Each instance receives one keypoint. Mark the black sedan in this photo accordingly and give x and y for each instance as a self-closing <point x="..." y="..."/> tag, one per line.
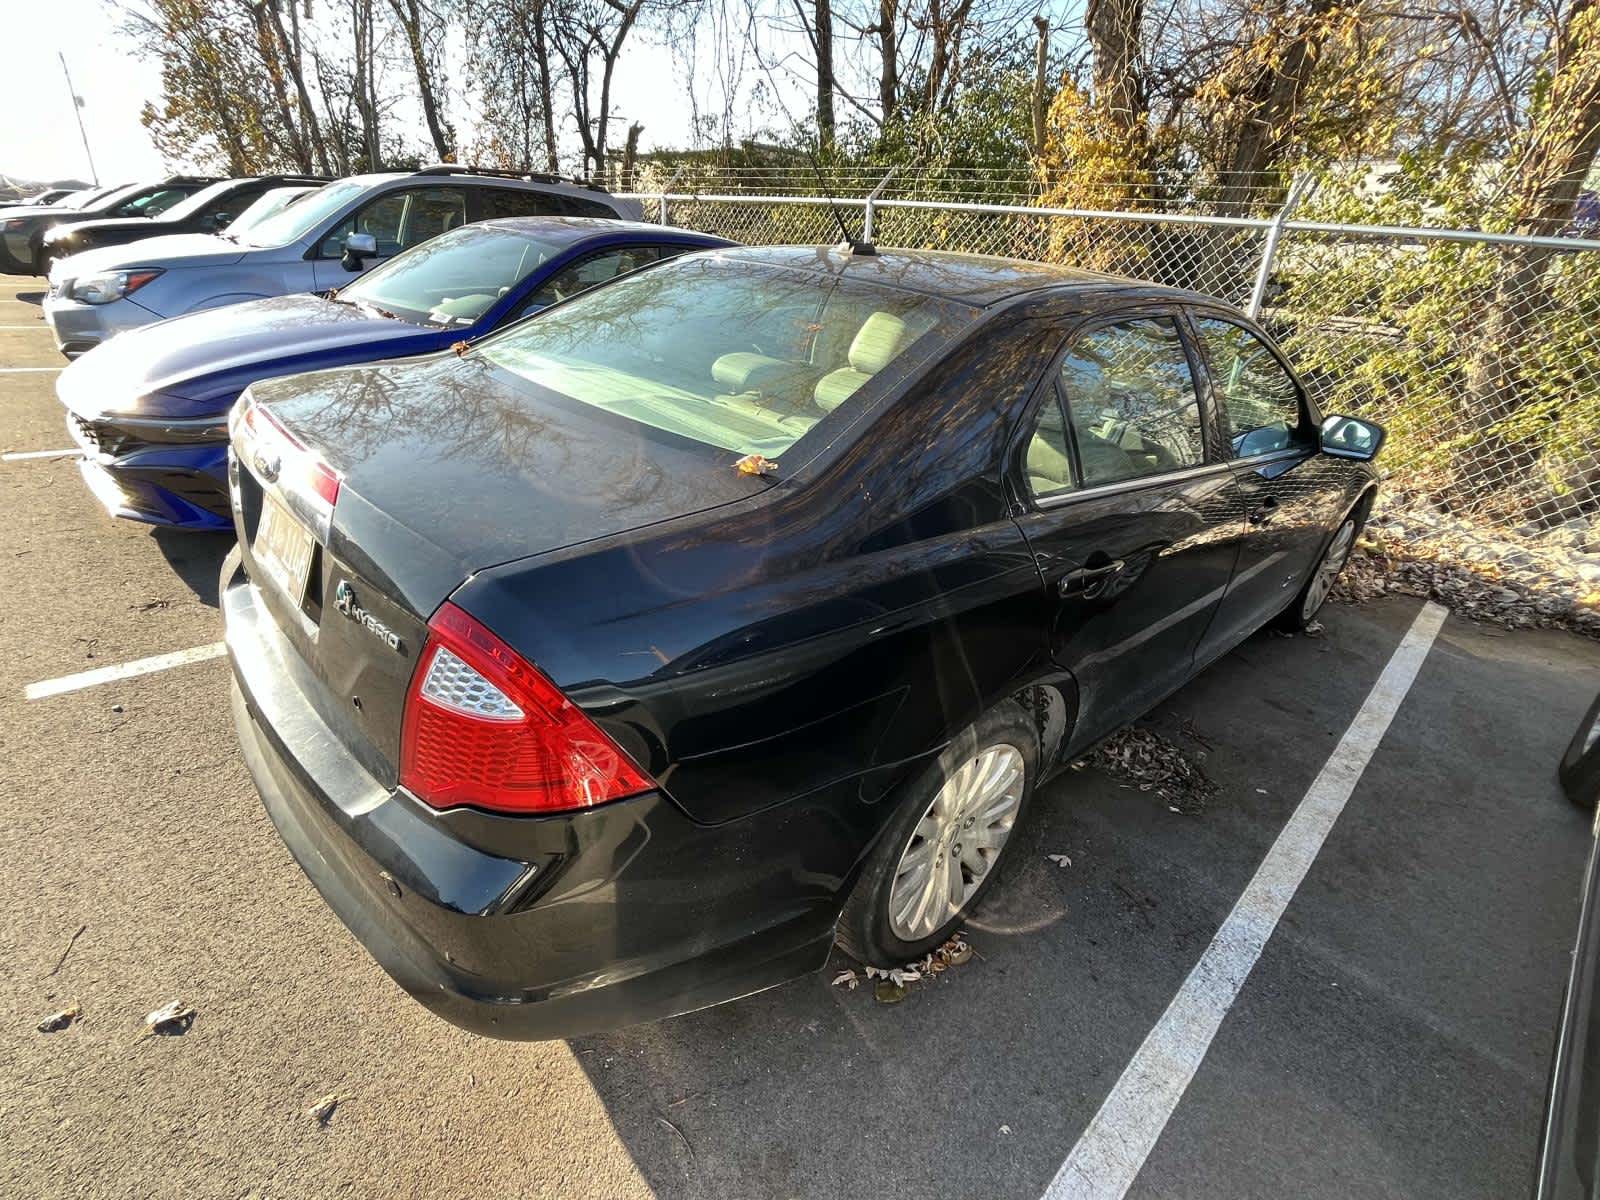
<point x="622" y="663"/>
<point x="209" y="210"/>
<point x="22" y="229"/>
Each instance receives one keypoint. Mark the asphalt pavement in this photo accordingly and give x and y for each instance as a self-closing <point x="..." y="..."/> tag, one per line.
<point x="1392" y="1040"/>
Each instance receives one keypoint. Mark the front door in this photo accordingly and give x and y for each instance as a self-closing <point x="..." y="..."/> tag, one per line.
<point x="1132" y="514"/>
<point x="397" y="220"/>
<point x="1288" y="487"/>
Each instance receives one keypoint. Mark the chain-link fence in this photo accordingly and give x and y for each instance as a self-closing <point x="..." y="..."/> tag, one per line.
<point x="1478" y="351"/>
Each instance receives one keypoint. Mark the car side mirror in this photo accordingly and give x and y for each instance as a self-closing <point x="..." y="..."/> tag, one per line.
<point x="1351" y="437"/>
<point x="221" y="220"/>
<point x="356" y="247"/>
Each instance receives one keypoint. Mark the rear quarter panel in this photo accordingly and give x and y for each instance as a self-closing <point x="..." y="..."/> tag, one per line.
<point x="823" y="638"/>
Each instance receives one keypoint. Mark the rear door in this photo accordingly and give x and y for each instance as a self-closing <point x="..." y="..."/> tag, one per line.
<point x="1289" y="491"/>
<point x="1131" y="511"/>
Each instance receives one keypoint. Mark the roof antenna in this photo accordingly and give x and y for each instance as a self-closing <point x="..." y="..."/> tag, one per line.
<point x="856" y="246"/>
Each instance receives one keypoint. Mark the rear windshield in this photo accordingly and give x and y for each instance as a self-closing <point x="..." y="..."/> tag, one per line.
<point x="740" y="356"/>
<point x="454" y="278"/>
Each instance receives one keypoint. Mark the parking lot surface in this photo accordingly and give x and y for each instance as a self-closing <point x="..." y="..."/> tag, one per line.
<point x="1392" y="1040"/>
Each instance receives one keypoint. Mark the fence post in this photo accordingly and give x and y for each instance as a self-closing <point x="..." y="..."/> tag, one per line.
<point x="1274" y="231"/>
<point x="866" y="224"/>
<point x="661" y="213"/>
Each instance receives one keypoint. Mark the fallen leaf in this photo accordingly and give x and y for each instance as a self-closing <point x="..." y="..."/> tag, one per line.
<point x="846" y="979"/>
<point x="1005" y="1129"/>
<point x="755" y="464"/>
<point x="322" y="1110"/>
<point x="60" y="1020"/>
<point x="1060" y="860"/>
<point x="460" y="347"/>
<point x="171" y="1019"/>
<point x="904" y="975"/>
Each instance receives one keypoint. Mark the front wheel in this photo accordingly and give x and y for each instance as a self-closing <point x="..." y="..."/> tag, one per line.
<point x="1323" y="576"/>
<point x="945" y="842"/>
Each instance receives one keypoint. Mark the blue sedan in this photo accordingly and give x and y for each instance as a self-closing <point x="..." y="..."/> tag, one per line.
<point x="149" y="408"/>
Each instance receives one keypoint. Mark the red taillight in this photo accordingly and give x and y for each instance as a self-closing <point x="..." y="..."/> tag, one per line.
<point x="484" y="727"/>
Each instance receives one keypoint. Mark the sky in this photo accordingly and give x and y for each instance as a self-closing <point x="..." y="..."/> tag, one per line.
<point x="115" y="83"/>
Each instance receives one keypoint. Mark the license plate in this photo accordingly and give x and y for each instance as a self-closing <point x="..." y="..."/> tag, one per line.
<point x="283" y="549"/>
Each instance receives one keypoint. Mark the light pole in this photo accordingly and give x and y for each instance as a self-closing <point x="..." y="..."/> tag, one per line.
<point x="77" y="111"/>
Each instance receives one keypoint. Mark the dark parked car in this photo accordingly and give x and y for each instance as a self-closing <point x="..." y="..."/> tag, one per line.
<point x="619" y="665"/>
<point x="1569" y="1155"/>
<point x="149" y="408"/>
<point x="210" y="210"/>
<point x="51" y="196"/>
<point x="22" y="229"/>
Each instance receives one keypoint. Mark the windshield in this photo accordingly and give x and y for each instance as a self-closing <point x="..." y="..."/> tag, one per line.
<point x="736" y="355"/>
<point x="265" y="206"/>
<point x="195" y="201"/>
<point x="85" y="198"/>
<point x="294" y="222"/>
<point x="454" y="278"/>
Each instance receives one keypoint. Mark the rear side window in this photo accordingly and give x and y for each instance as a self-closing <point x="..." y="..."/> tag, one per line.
<point x="1260" y="396"/>
<point x="1131" y="401"/>
<point x="525" y="202"/>
<point x="597" y="268"/>
<point x="1049" y="457"/>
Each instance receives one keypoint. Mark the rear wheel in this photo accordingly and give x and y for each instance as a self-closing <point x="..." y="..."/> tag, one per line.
<point x="1319" y="586"/>
<point x="945" y="843"/>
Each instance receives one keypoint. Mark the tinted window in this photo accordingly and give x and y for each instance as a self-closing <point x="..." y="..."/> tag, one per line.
<point x="151" y="203"/>
<point x="1262" y="400"/>
<point x="585" y="273"/>
<point x="738" y="357"/>
<point x="1132" y="401"/>
<point x="1049" y="460"/>
<point x="400" y="220"/>
<point x="503" y="202"/>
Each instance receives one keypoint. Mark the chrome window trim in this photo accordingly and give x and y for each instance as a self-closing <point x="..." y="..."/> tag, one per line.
<point x="1138" y="482"/>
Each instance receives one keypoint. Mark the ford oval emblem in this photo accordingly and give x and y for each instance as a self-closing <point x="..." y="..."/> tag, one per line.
<point x="268" y="465"/>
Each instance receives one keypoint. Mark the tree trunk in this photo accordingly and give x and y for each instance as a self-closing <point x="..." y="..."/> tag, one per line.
<point x="888" y="39"/>
<point x="294" y="63"/>
<point x="630" y="152"/>
<point x="823" y="28"/>
<point x="1117" y="81"/>
<point x="1041" y="101"/>
<point x="541" y="58"/>
<point x="409" y="14"/>
<point x="1554" y="156"/>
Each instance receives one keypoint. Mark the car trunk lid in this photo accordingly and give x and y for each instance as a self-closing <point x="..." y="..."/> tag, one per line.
<point x="443" y="467"/>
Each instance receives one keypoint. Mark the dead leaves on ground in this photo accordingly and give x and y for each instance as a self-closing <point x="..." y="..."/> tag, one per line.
<point x="57" y="1021"/>
<point x="891" y="984"/>
<point x="322" y="1111"/>
<point x="1142" y="758"/>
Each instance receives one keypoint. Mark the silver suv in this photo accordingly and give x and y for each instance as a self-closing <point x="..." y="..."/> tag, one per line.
<point x="323" y="241"/>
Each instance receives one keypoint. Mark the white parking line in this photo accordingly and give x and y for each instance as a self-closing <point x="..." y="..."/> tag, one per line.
<point x="1109" y="1155"/>
<point x="35" y="325"/>
<point x="27" y="370"/>
<point x="139" y="666"/>
<point x="20" y="455"/>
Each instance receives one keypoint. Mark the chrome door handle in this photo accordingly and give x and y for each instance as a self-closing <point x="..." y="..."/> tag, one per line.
<point x="1089" y="581"/>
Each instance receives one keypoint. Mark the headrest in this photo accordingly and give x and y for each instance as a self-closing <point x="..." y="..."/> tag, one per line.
<point x="880" y="338"/>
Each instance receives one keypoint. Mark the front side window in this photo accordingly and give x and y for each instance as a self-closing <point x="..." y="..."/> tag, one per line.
<point x="1132" y="402"/>
<point x="293" y="223"/>
<point x="400" y="220"/>
<point x="737" y="356"/>
<point x="152" y="203"/>
<point x="453" y="279"/>
<point x="1262" y="400"/>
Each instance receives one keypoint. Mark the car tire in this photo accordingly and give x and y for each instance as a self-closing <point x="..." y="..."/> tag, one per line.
<point x="898" y="912"/>
<point x="1580" y="765"/>
<point x="1319" y="583"/>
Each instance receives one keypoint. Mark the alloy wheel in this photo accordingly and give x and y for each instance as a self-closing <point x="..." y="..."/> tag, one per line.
<point x="957" y="842"/>
<point x="1328" y="570"/>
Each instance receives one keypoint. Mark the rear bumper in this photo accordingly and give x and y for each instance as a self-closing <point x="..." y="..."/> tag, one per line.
<point x="525" y="928"/>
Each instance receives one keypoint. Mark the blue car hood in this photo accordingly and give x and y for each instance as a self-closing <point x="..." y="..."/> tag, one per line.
<point x="189" y="365"/>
